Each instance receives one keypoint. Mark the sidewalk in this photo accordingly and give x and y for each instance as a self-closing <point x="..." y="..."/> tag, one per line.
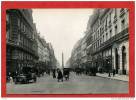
<point x="116" y="77"/>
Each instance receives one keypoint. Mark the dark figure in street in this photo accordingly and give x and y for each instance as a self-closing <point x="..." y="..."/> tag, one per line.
<point x="78" y="71"/>
<point x="54" y="73"/>
<point x="114" y="72"/>
<point x="66" y="74"/>
<point x="60" y="75"/>
<point x="109" y="73"/>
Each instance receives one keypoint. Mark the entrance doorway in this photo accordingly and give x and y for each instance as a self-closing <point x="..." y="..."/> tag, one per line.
<point x="116" y="60"/>
<point x="123" y="60"/>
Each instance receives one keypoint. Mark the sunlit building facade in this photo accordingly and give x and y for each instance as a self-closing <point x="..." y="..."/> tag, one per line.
<point x="109" y="40"/>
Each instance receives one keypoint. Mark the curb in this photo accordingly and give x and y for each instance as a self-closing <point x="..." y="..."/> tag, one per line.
<point x="113" y="79"/>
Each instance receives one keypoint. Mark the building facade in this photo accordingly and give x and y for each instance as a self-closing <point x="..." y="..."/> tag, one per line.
<point x="43" y="53"/>
<point x="21" y="46"/>
<point x="76" y="55"/>
<point x="109" y="40"/>
<point x="83" y="61"/>
<point x="53" y="61"/>
<point x="105" y="44"/>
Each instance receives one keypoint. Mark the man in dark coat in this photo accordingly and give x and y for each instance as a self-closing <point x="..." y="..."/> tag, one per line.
<point x="114" y="72"/>
<point x="60" y="75"/>
<point x="54" y="73"/>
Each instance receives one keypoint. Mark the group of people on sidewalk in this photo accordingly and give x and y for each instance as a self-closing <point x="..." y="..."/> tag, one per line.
<point x="60" y="75"/>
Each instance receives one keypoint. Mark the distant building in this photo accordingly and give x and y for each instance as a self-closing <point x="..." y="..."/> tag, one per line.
<point x="76" y="55"/>
<point x="43" y="53"/>
<point x="53" y="61"/>
<point x="83" y="61"/>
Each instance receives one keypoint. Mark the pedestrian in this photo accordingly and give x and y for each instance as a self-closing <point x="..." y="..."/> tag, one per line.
<point x="113" y="72"/>
<point x="54" y="73"/>
<point x="60" y="75"/>
<point x="109" y="74"/>
<point x="11" y="80"/>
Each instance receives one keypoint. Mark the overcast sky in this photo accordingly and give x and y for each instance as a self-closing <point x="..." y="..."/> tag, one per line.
<point x="62" y="27"/>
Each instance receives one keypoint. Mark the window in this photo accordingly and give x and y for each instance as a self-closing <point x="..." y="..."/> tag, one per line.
<point x="122" y="24"/>
<point x="100" y="41"/>
<point x="116" y="29"/>
<point x="18" y="22"/>
<point x="110" y="33"/>
<point x="115" y="14"/>
<point x="24" y="28"/>
<point x="103" y="38"/>
<point x="7" y="35"/>
<point x="106" y="22"/>
<point x="21" y="25"/>
<point x="15" y="54"/>
<point x="7" y="17"/>
<point x="106" y="36"/>
<point x="110" y="18"/>
<point x="122" y="9"/>
<point x="98" y="33"/>
<point x="97" y="43"/>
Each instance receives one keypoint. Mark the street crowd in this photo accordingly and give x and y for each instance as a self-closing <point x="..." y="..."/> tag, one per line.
<point x="59" y="74"/>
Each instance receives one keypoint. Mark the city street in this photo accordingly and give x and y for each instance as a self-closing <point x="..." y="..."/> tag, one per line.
<point x="76" y="85"/>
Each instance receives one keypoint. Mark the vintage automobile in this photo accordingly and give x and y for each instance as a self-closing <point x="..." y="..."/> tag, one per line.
<point x="27" y="76"/>
<point x="20" y="79"/>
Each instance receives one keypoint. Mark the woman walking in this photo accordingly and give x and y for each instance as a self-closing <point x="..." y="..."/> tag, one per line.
<point x="60" y="75"/>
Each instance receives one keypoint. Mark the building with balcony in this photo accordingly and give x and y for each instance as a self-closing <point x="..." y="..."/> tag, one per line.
<point x="76" y="55"/>
<point x="21" y="46"/>
<point x="109" y="46"/>
<point x="43" y="53"/>
<point x="53" y="64"/>
<point x="83" y="52"/>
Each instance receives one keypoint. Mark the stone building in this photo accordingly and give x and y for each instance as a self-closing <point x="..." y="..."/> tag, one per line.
<point x="83" y="58"/>
<point x="53" y="61"/>
<point x="76" y="55"/>
<point x="43" y="53"/>
<point x="105" y="45"/>
<point x="109" y="39"/>
<point x="21" y="46"/>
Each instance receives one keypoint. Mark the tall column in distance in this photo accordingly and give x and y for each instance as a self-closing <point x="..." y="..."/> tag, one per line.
<point x="62" y="61"/>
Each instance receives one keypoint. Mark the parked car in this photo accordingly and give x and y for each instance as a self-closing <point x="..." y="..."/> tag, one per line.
<point x="25" y="78"/>
<point x="20" y="79"/>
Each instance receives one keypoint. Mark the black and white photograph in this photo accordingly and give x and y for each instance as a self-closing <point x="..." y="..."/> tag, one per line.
<point x="67" y="51"/>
